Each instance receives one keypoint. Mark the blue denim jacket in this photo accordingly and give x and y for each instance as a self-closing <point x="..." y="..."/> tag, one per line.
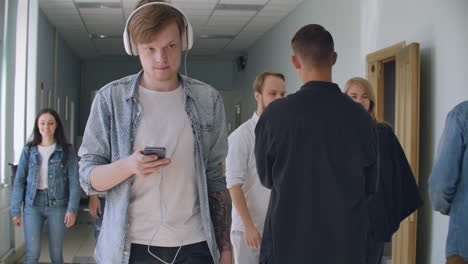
<point x="448" y="183"/>
<point x="109" y="136"/>
<point x="63" y="183"/>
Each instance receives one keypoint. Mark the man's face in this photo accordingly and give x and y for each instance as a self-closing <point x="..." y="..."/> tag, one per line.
<point x="160" y="58"/>
<point x="273" y="89"/>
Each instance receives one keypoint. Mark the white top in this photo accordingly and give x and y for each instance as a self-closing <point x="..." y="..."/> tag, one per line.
<point x="165" y="205"/>
<point x="45" y="153"/>
<point x="241" y="169"/>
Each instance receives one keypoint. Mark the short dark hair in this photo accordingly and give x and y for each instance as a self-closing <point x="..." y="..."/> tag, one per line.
<point x="314" y="44"/>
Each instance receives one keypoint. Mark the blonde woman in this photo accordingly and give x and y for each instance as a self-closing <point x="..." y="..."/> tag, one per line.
<point x="397" y="194"/>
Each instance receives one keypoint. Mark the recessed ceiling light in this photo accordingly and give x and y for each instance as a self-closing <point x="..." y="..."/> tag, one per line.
<point x="103" y="36"/>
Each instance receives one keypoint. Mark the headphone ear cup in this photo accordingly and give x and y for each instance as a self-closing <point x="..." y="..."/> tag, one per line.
<point x="188" y="35"/>
<point x="127" y="44"/>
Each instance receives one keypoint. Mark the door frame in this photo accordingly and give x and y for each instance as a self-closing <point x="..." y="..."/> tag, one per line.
<point x="407" y="112"/>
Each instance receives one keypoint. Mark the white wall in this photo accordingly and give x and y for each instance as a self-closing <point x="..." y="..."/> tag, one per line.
<point x="362" y="26"/>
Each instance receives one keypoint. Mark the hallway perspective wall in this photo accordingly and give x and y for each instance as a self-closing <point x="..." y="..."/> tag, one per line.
<point x="58" y="68"/>
<point x="363" y="26"/>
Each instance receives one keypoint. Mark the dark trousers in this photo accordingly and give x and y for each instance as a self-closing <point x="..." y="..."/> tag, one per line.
<point x="198" y="253"/>
<point x="98" y="222"/>
<point x="375" y="250"/>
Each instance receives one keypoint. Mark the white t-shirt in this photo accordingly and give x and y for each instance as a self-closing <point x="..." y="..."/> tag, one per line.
<point x="165" y="205"/>
<point x="45" y="153"/>
<point x="241" y="169"/>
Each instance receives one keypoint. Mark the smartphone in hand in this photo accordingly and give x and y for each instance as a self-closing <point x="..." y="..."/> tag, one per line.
<point x="158" y="151"/>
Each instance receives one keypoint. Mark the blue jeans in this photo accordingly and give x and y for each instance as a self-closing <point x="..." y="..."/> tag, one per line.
<point x="98" y="222"/>
<point x="34" y="218"/>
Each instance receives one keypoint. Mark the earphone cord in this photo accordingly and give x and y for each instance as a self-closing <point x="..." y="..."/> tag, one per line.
<point x="163" y="206"/>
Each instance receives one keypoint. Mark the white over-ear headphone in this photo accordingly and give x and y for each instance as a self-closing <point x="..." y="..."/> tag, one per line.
<point x="187" y="36"/>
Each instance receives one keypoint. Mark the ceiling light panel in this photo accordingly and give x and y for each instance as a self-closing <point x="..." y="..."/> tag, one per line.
<point x="97" y="2"/>
<point x="244" y="2"/>
<point x="227" y="23"/>
<point x="234" y="13"/>
<point x="182" y="2"/>
<point x="197" y="5"/>
<point x="285" y="1"/>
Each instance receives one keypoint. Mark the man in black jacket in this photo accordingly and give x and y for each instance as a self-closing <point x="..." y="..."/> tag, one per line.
<point x="316" y="151"/>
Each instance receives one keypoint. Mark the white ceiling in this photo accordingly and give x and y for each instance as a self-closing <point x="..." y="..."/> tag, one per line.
<point x="246" y="26"/>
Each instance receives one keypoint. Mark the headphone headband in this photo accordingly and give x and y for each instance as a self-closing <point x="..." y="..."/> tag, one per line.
<point x="130" y="46"/>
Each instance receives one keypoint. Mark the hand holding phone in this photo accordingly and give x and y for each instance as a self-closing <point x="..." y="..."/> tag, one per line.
<point x="142" y="162"/>
<point x="158" y="151"/>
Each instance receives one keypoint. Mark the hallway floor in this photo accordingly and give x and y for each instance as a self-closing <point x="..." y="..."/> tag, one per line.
<point x="78" y="245"/>
<point x="79" y="242"/>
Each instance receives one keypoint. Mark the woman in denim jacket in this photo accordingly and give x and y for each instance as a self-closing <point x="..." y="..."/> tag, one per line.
<point x="47" y="184"/>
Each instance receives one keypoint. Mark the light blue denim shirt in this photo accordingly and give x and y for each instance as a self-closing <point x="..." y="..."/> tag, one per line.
<point x="109" y="136"/>
<point x="63" y="184"/>
<point x="448" y="183"/>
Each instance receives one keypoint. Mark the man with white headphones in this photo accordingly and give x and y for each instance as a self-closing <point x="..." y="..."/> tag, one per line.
<point x="170" y="205"/>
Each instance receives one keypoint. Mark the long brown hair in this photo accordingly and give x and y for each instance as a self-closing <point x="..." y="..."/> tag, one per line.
<point x="59" y="134"/>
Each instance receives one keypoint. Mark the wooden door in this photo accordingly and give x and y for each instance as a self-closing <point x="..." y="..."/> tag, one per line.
<point x="406" y="125"/>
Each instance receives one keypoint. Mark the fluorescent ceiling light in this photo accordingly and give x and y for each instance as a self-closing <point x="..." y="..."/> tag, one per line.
<point x="98" y="5"/>
<point x="102" y="36"/>
<point x="212" y="36"/>
<point x="239" y="7"/>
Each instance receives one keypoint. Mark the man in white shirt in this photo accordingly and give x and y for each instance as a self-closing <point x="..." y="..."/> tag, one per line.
<point x="249" y="197"/>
